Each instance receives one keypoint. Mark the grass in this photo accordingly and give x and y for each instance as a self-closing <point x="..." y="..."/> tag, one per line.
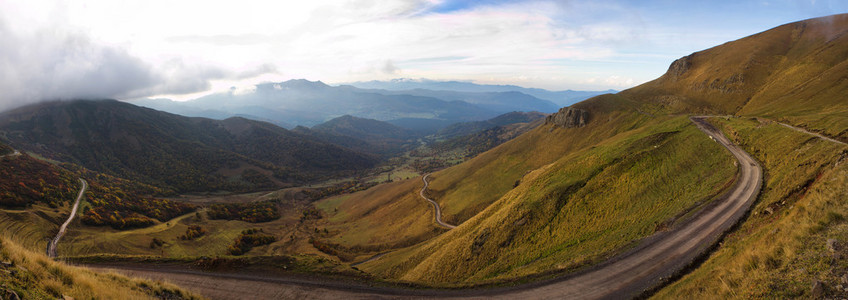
<point x="781" y="248"/>
<point x="793" y="73"/>
<point x="33" y="227"/>
<point x="87" y="240"/>
<point x="386" y="216"/>
<point x="467" y="189"/>
<point x="578" y="210"/>
<point x="34" y="276"/>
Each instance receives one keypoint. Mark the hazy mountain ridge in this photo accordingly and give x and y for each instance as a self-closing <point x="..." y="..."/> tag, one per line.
<point x="308" y="103"/>
<point x="496" y="101"/>
<point x="560" y="98"/>
<point x="461" y="129"/>
<point x="362" y="134"/>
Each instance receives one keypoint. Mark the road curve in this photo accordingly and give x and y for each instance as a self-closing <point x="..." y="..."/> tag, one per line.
<point x="624" y="276"/>
<point x="435" y="205"/>
<point x="51" y="247"/>
<point x="664" y="254"/>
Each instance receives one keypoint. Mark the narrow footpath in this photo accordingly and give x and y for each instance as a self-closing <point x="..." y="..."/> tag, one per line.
<point x="51" y="247"/>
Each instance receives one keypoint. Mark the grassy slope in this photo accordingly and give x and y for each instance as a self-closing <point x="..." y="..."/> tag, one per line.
<point x="32" y="227"/>
<point x="578" y="210"/>
<point x="467" y="189"/>
<point x="779" y="254"/>
<point x="88" y="240"/>
<point x="795" y="72"/>
<point x="394" y="215"/>
<point x="34" y="276"/>
<point x="385" y="216"/>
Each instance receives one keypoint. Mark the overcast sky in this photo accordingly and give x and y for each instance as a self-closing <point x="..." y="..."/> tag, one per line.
<point x="183" y="49"/>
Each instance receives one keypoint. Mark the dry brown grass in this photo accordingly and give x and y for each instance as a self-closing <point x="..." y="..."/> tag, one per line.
<point x="35" y="276"/>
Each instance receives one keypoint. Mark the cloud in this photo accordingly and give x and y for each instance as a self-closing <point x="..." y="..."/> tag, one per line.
<point x="49" y="65"/>
<point x="390" y="68"/>
<point x="52" y="64"/>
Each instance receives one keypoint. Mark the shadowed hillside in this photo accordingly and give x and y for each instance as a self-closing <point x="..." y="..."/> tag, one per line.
<point x="185" y="154"/>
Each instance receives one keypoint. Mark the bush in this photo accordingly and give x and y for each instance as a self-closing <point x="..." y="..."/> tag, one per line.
<point x="248" y="239"/>
<point x="192" y="232"/>
<point x="253" y="212"/>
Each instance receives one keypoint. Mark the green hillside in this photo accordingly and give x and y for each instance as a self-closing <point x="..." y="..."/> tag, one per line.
<point x="576" y="211"/>
<point x="794" y="72"/>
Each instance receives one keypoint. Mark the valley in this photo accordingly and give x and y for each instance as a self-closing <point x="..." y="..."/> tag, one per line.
<point x="724" y="178"/>
<point x="626" y="275"/>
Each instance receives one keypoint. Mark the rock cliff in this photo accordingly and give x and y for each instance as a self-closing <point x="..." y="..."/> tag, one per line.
<point x="569" y="117"/>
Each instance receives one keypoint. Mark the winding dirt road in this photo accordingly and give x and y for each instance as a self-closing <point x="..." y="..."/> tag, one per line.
<point x="51" y="248"/>
<point x="435" y="205"/>
<point x="625" y="276"/>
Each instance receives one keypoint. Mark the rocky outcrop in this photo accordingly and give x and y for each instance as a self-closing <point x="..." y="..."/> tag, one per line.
<point x="680" y="66"/>
<point x="568" y="117"/>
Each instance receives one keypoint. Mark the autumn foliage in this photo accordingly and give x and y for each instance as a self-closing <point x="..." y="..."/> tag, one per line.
<point x="253" y="212"/>
<point x="338" y="189"/>
<point x="192" y="232"/>
<point x="111" y="206"/>
<point x="248" y="239"/>
<point x="26" y="181"/>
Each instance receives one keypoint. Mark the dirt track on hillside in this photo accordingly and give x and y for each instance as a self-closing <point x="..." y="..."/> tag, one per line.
<point x="625" y="276"/>
<point x="438" y="213"/>
<point x="54" y="243"/>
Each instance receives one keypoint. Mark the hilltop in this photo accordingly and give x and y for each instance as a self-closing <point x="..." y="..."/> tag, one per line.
<point x="375" y="136"/>
<point x="794" y="73"/>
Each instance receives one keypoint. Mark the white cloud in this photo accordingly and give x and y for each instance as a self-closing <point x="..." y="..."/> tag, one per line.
<point x="182" y="48"/>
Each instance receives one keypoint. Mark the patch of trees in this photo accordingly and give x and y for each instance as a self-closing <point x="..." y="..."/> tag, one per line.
<point x="338" y="189"/>
<point x="111" y="206"/>
<point x="114" y="202"/>
<point x="310" y="213"/>
<point x="253" y="212"/>
<point x="248" y="239"/>
<point x="26" y="181"/>
<point x="330" y="249"/>
<point x="429" y="165"/>
<point x="193" y="232"/>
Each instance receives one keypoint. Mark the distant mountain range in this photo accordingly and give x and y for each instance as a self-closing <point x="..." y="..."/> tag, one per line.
<point x="560" y="98"/>
<point x="308" y="103"/>
<point x="462" y="129"/>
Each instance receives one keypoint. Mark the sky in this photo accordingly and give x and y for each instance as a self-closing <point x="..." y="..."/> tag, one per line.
<point x="185" y="49"/>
